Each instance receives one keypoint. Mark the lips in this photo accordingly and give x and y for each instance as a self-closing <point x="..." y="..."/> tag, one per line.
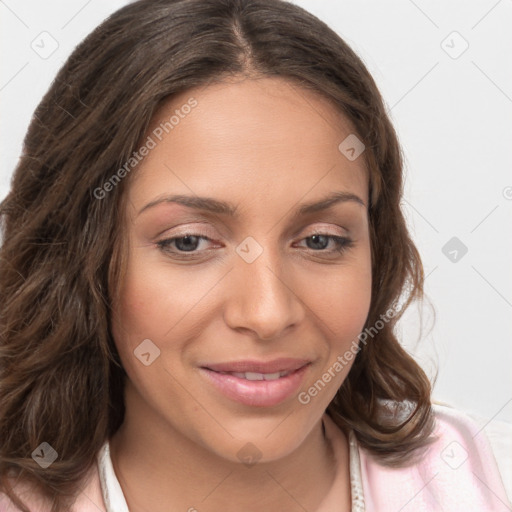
<point x="257" y="383"/>
<point x="277" y="365"/>
<point x="258" y="376"/>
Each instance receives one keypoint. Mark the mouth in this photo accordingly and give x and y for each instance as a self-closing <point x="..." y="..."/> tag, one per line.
<point x="257" y="383"/>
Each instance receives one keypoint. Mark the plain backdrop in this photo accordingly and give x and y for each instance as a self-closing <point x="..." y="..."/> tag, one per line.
<point x="443" y="68"/>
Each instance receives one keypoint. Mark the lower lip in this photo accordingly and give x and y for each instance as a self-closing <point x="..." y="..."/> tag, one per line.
<point x="257" y="393"/>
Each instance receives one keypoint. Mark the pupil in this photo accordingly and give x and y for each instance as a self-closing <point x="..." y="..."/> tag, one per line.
<point x="187" y="239"/>
<point x="319" y="238"/>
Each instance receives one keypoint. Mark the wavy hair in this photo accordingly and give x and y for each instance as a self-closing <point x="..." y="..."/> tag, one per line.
<point x="62" y="257"/>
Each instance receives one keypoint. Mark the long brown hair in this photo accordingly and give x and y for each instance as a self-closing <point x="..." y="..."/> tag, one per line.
<point x="61" y="259"/>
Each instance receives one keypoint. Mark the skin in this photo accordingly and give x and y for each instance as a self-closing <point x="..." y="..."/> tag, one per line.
<point x="266" y="146"/>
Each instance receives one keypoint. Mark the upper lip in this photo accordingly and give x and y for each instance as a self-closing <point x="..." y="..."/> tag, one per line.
<point x="274" y="366"/>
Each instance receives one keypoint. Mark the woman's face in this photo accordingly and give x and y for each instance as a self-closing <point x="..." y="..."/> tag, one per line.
<point x="233" y="317"/>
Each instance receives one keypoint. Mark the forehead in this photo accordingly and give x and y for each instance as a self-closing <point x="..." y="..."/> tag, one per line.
<point x="264" y="136"/>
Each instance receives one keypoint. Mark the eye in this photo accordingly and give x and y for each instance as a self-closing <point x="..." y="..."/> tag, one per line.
<point x="188" y="243"/>
<point x="318" y="242"/>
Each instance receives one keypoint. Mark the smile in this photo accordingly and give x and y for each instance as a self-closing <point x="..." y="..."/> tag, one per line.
<point x="257" y="376"/>
<point x="257" y="384"/>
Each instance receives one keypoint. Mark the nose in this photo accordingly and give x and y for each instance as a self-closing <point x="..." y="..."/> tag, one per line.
<point x="261" y="298"/>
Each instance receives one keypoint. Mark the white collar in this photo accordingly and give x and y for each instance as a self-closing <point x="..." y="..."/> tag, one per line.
<point x="115" y="501"/>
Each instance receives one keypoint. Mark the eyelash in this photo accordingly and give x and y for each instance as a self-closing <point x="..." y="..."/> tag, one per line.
<point x="342" y="244"/>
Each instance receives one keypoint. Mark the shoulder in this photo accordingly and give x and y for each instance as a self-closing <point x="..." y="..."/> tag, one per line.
<point x="499" y="436"/>
<point x="89" y="499"/>
<point x="457" y="472"/>
<point x="490" y="437"/>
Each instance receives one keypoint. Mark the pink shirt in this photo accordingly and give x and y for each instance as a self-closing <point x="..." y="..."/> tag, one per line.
<point x="457" y="474"/>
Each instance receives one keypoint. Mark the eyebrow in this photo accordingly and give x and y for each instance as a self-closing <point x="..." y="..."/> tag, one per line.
<point x="223" y="208"/>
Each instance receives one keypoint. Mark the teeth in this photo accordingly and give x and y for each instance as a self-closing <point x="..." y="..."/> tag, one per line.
<point x="258" y="376"/>
<point x="241" y="375"/>
<point x="253" y="376"/>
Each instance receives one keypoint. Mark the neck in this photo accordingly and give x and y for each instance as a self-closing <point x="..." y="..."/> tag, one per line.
<point x="160" y="469"/>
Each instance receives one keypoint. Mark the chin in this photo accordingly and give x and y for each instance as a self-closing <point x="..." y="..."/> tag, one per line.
<point x="265" y="438"/>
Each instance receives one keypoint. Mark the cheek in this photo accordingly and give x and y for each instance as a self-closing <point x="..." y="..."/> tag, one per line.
<point x="134" y="311"/>
<point x="343" y="304"/>
<point x="342" y="300"/>
<point x="159" y="303"/>
<point x="350" y="307"/>
<point x="153" y="300"/>
<point x="139" y="310"/>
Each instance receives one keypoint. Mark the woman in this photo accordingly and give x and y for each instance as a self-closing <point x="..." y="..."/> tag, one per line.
<point x="203" y="262"/>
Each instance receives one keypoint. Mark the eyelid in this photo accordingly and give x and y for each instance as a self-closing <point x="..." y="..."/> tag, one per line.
<point x="321" y="229"/>
<point x="206" y="229"/>
<point x="325" y="225"/>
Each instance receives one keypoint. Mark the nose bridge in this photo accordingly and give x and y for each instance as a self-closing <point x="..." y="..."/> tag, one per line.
<point x="262" y="298"/>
